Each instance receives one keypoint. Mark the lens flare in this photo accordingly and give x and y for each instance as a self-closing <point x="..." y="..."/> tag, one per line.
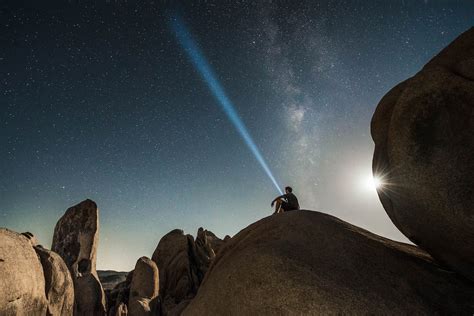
<point x="207" y="74"/>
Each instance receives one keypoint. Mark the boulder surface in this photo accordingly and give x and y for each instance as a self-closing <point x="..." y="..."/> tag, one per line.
<point x="424" y="154"/>
<point x="178" y="274"/>
<point x="22" y="283"/>
<point x="75" y="239"/>
<point x="183" y="262"/>
<point x="309" y="263"/>
<point x="144" y="288"/>
<point x="59" y="286"/>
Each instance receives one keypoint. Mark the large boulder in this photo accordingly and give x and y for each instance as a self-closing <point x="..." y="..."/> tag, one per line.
<point x="178" y="274"/>
<point x="22" y="283"/>
<point x="183" y="262"/>
<point x="309" y="263"/>
<point x="144" y="288"/>
<point x="75" y="239"/>
<point x="424" y="153"/>
<point x="59" y="286"/>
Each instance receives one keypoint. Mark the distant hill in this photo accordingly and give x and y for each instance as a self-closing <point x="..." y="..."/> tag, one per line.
<point x="110" y="278"/>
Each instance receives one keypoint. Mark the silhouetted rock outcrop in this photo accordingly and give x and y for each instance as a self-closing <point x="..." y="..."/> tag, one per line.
<point x="75" y="239"/>
<point x="424" y="150"/>
<point x="182" y="262"/>
<point x="303" y="262"/>
<point x="22" y="283"/>
<point x="59" y="286"/>
<point x="215" y="242"/>
<point x="144" y="288"/>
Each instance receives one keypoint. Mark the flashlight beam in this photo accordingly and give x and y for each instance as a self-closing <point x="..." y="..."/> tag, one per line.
<point x="207" y="74"/>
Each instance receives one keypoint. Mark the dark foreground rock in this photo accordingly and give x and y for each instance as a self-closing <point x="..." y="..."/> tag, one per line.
<point x="304" y="262"/>
<point x="182" y="263"/>
<point x="423" y="131"/>
<point x="75" y="239"/>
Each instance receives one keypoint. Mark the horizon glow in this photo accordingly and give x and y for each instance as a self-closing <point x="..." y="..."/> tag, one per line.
<point x="199" y="61"/>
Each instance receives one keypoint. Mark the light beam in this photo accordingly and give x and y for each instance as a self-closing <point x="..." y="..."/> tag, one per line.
<point x="206" y="72"/>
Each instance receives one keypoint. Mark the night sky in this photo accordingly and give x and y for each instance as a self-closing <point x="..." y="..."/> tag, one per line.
<point x="100" y="101"/>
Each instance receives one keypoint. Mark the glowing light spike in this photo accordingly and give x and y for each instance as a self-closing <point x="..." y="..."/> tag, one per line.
<point x="206" y="72"/>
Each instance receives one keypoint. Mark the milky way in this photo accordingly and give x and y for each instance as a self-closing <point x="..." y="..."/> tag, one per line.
<point x="99" y="101"/>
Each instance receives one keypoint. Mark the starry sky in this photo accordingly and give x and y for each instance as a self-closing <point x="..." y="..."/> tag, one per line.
<point x="100" y="101"/>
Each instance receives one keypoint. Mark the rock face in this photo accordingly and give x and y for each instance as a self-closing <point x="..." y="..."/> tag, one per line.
<point x="182" y="262"/>
<point x="75" y="240"/>
<point x="144" y="288"/>
<point x="309" y="263"/>
<point x="424" y="151"/>
<point x="59" y="286"/>
<point x="22" y="284"/>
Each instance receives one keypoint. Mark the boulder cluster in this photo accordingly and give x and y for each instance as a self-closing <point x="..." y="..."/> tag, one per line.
<point x="64" y="280"/>
<point x="174" y="274"/>
<point x="300" y="262"/>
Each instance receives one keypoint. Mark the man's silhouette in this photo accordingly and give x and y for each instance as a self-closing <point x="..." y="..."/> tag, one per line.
<point x="286" y="202"/>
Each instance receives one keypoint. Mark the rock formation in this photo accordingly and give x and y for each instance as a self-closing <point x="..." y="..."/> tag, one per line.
<point x="119" y="295"/>
<point x="144" y="288"/>
<point x="59" y="286"/>
<point x="75" y="239"/>
<point x="214" y="242"/>
<point x="178" y="275"/>
<point x="121" y="310"/>
<point x="309" y="263"/>
<point x="182" y="262"/>
<point x="424" y="152"/>
<point x="22" y="283"/>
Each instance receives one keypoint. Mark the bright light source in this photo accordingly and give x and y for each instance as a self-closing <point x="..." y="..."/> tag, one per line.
<point x="370" y="183"/>
<point x="376" y="182"/>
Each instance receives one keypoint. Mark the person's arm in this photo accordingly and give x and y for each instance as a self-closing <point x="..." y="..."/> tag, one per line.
<point x="278" y="197"/>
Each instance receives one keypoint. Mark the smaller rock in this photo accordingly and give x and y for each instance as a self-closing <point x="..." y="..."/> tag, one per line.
<point x="121" y="310"/>
<point x="59" y="286"/>
<point x="215" y="242"/>
<point x="144" y="288"/>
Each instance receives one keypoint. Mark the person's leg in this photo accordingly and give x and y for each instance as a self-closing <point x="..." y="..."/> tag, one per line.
<point x="277" y="206"/>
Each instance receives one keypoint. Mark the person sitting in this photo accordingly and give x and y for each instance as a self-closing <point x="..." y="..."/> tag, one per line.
<point x="286" y="202"/>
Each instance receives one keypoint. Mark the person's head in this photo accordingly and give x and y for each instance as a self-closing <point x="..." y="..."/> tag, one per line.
<point x="288" y="189"/>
